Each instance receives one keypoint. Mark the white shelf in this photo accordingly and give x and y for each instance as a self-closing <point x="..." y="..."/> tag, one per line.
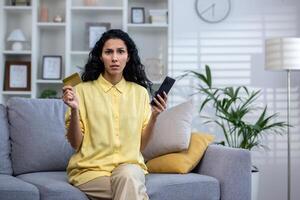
<point x="17" y="8"/>
<point x="157" y="25"/>
<point x="80" y="52"/>
<point x="42" y="81"/>
<point x="16" y="92"/>
<point x="51" y="24"/>
<point x="95" y="8"/>
<point x="23" y="52"/>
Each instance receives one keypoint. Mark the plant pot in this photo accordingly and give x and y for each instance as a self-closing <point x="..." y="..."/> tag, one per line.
<point x="254" y="183"/>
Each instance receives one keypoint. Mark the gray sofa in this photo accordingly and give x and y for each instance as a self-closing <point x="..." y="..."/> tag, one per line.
<point x="34" y="154"/>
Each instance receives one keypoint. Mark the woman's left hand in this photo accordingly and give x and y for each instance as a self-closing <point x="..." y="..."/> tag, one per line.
<point x="160" y="104"/>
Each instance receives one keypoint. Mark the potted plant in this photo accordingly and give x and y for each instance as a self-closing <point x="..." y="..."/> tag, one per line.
<point x="232" y="106"/>
<point x="49" y="94"/>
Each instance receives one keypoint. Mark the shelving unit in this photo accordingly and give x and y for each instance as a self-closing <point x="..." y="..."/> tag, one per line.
<point x="155" y="36"/>
<point x="51" y="40"/>
<point x="80" y="16"/>
<point x="69" y="38"/>
<point x="11" y="18"/>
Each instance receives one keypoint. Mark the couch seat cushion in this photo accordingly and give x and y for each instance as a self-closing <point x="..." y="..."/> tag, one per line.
<point x="12" y="188"/>
<point x="182" y="187"/>
<point x="53" y="185"/>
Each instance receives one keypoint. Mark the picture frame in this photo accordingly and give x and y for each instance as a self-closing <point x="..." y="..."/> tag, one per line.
<point x="95" y="31"/>
<point x="137" y="15"/>
<point x="52" y="67"/>
<point x="17" y="76"/>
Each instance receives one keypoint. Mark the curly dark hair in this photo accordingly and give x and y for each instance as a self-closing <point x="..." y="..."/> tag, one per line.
<point x="134" y="70"/>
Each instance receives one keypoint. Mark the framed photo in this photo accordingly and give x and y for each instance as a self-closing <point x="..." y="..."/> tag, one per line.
<point x="137" y="15"/>
<point x="95" y="31"/>
<point x="52" y="67"/>
<point x="17" y="76"/>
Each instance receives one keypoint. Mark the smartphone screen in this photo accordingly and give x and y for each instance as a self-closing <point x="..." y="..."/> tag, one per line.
<point x="164" y="87"/>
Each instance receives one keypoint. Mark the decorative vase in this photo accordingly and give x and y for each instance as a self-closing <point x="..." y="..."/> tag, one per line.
<point x="44" y="17"/>
<point x="58" y="19"/>
<point x="89" y="2"/>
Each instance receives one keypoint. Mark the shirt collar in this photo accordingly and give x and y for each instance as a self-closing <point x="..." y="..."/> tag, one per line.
<point x="106" y="85"/>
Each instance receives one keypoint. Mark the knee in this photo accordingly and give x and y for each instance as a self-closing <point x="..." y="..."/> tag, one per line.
<point x="128" y="172"/>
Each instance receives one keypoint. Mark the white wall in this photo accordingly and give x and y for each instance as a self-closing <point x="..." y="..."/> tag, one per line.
<point x="234" y="49"/>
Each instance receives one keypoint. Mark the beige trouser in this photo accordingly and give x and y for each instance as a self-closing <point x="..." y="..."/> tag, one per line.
<point x="127" y="182"/>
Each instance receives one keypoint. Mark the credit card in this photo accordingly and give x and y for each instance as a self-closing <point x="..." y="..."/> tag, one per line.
<point x="72" y="80"/>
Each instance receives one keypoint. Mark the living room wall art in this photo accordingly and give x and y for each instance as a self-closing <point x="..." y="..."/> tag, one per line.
<point x="17" y="76"/>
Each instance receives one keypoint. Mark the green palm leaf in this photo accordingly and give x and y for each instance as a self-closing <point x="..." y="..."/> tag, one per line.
<point x="232" y="105"/>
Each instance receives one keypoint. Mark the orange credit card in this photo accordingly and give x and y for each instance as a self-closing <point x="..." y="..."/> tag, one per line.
<point x="72" y="80"/>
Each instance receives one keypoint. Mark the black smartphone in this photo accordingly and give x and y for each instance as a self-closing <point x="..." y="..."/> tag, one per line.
<point x="164" y="87"/>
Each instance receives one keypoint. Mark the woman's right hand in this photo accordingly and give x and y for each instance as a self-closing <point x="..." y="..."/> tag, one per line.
<point x="69" y="97"/>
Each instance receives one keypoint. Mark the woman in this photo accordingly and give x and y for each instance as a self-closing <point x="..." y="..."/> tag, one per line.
<point x="109" y="121"/>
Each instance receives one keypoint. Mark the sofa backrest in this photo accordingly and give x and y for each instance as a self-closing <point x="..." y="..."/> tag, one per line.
<point x="37" y="132"/>
<point x="5" y="162"/>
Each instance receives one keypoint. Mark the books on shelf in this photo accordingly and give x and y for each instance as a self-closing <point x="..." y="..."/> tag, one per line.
<point x="158" y="16"/>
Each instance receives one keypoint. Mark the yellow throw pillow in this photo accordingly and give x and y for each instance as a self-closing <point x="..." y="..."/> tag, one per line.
<point x="184" y="161"/>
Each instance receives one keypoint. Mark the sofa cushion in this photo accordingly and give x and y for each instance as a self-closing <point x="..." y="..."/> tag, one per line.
<point x="37" y="131"/>
<point x="5" y="166"/>
<point x="53" y="185"/>
<point x="171" y="132"/>
<point x="12" y="188"/>
<point x="184" y="161"/>
<point x="182" y="187"/>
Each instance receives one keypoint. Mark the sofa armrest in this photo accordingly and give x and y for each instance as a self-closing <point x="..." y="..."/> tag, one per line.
<point x="232" y="167"/>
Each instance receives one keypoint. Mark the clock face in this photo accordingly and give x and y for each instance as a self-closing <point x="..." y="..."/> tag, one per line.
<point x="213" y="11"/>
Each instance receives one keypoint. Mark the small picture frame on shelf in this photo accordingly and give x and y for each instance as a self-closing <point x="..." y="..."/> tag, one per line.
<point x="52" y="67"/>
<point x="17" y="76"/>
<point x="137" y="15"/>
<point x="95" y="31"/>
<point x="20" y="2"/>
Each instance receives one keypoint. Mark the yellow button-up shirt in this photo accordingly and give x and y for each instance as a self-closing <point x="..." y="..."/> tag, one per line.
<point x="112" y="119"/>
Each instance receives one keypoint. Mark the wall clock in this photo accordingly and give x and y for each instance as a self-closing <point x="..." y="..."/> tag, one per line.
<point x="213" y="11"/>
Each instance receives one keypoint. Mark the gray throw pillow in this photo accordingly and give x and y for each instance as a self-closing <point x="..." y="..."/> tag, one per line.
<point x="5" y="162"/>
<point x="171" y="132"/>
<point x="37" y="132"/>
